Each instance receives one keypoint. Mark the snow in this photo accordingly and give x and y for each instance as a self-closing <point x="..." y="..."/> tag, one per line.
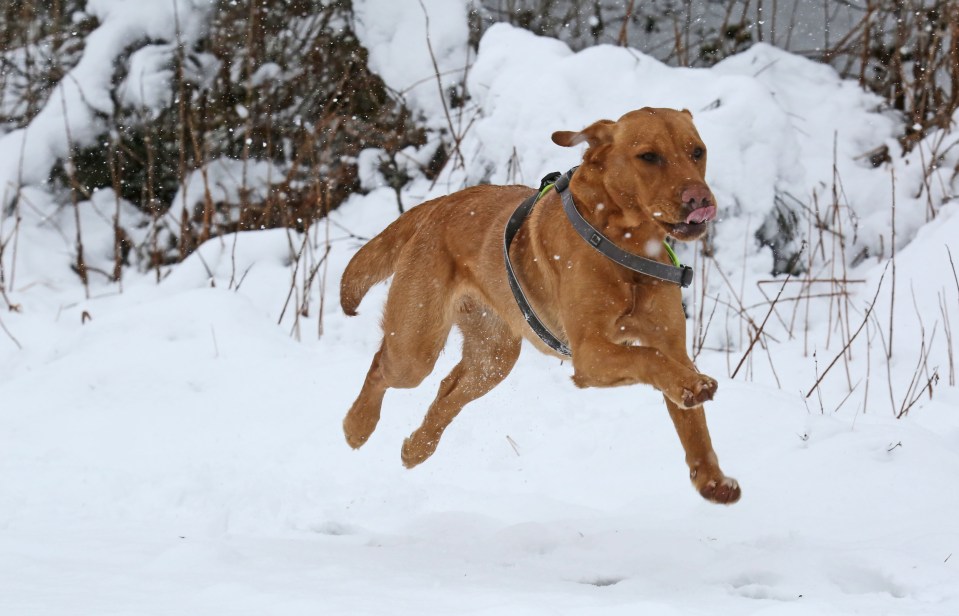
<point x="402" y="50"/>
<point x="181" y="453"/>
<point x="175" y="446"/>
<point x="149" y="84"/>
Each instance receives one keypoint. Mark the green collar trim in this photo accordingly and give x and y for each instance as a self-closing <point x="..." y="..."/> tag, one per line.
<point x="672" y="254"/>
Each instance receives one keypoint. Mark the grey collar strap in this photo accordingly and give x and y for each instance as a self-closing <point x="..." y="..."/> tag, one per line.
<point x="681" y="275"/>
<point x="512" y="227"/>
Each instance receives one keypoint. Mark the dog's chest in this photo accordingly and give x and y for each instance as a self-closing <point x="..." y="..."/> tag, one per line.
<point x="634" y="313"/>
<point x="638" y="317"/>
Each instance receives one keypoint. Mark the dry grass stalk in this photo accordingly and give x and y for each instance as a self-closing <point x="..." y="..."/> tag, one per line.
<point x="10" y="335"/>
<point x="759" y="331"/>
<point x="79" y="266"/>
<point x="622" y="39"/>
<point x="914" y="391"/>
<point x="459" y="161"/>
<point x="326" y="267"/>
<point x="916" y="385"/>
<point x="892" y="292"/>
<point x="852" y="338"/>
<point x="947" y="328"/>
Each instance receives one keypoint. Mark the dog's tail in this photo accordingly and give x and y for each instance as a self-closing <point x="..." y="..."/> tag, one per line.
<point x="376" y="261"/>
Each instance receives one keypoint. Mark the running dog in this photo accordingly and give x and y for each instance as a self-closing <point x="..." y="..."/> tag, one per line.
<point x="642" y="179"/>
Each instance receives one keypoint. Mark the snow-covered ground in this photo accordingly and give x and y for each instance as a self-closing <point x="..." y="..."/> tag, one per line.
<point x="175" y="448"/>
<point x="180" y="453"/>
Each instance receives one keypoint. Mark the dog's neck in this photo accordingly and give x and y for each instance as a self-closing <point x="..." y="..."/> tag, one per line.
<point x="606" y="212"/>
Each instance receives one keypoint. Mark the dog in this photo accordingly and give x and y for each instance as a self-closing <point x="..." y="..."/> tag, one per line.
<point x="642" y="179"/>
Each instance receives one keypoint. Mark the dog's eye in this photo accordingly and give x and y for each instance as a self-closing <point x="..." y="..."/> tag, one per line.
<point x="650" y="157"/>
<point x="698" y="153"/>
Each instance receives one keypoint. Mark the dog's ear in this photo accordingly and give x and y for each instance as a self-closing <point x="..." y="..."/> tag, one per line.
<point x="597" y="133"/>
<point x="686" y="111"/>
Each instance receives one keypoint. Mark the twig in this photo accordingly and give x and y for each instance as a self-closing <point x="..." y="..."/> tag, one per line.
<point x="853" y="337"/>
<point x="621" y="40"/>
<point x="704" y="331"/>
<point x="865" y="394"/>
<point x="326" y="264"/>
<point x="947" y="327"/>
<point x="216" y="348"/>
<point x="922" y="365"/>
<point x="892" y="296"/>
<point x="16" y="228"/>
<point x="512" y="444"/>
<point x="80" y="265"/>
<point x="10" y="335"/>
<point x="882" y="339"/>
<point x="932" y="380"/>
<point x="854" y="388"/>
<point x="236" y="235"/>
<point x="741" y="310"/>
<point x="954" y="276"/>
<point x="209" y="272"/>
<point x="760" y="330"/>
<point x="439" y="85"/>
<point x="296" y="268"/>
<point x="243" y="277"/>
<point x="814" y="280"/>
<point x="815" y="362"/>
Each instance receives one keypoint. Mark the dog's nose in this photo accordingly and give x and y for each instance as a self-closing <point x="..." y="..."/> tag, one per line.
<point x="699" y="204"/>
<point x="696" y="197"/>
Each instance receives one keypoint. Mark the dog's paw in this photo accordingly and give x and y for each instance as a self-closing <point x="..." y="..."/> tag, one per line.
<point x="699" y="389"/>
<point x="724" y="490"/>
<point x="417" y="450"/>
<point x="354" y="440"/>
<point x="358" y="426"/>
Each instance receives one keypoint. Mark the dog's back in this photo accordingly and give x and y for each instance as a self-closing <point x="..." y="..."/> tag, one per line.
<point x="461" y="219"/>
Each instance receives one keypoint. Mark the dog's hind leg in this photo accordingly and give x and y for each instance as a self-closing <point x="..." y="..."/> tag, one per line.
<point x="490" y="351"/>
<point x="361" y="419"/>
<point x="416" y="324"/>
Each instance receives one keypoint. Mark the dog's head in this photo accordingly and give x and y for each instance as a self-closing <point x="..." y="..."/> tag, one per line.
<point x="652" y="164"/>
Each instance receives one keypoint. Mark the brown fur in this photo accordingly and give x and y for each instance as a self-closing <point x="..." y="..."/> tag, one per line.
<point x="623" y="328"/>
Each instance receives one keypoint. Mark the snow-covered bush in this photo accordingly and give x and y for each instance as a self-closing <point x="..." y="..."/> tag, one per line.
<point x="285" y="85"/>
<point x="906" y="51"/>
<point x="215" y="115"/>
<point x="674" y="31"/>
<point x="39" y="43"/>
<point x="220" y="116"/>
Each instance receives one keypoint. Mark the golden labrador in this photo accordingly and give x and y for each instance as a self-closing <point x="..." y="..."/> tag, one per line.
<point x="642" y="179"/>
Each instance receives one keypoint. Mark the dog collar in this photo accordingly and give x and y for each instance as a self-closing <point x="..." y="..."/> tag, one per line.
<point x="676" y="273"/>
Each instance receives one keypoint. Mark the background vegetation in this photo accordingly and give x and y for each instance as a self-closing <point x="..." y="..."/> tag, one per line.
<point x="286" y="84"/>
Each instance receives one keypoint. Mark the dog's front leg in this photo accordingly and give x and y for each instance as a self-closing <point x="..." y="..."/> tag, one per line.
<point x="604" y="364"/>
<point x="708" y="479"/>
<point x="600" y="359"/>
<point x="599" y="362"/>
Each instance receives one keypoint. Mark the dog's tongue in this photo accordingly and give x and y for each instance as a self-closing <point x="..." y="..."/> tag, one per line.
<point x="701" y="215"/>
